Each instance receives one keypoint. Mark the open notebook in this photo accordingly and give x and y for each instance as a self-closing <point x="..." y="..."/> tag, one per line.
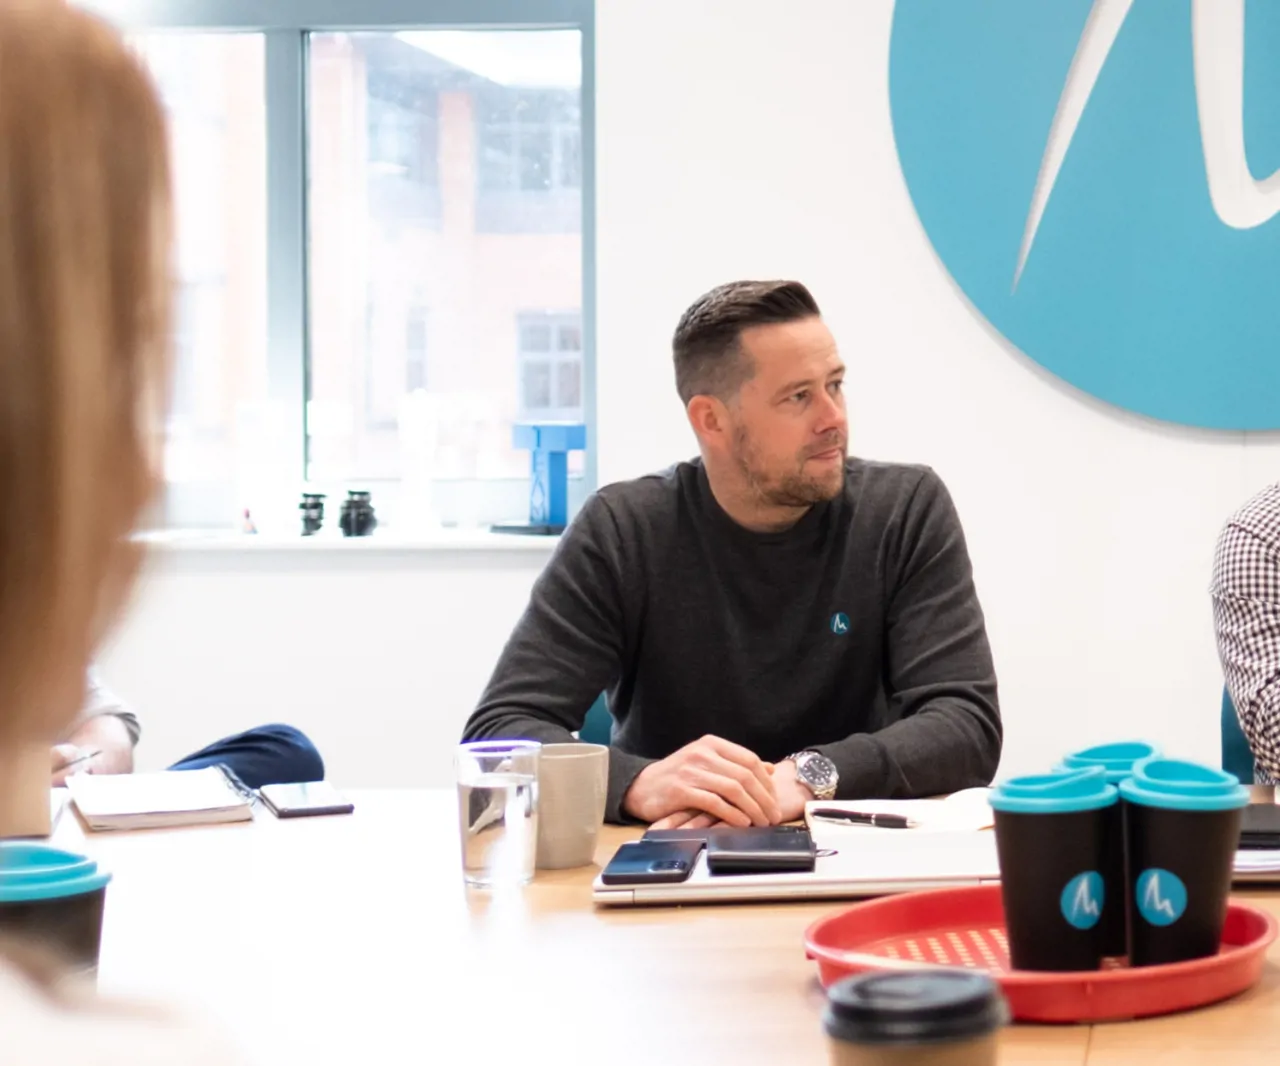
<point x="156" y="800"/>
<point x="961" y="812"/>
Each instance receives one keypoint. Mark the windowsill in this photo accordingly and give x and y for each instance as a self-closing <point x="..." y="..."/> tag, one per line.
<point x="442" y="540"/>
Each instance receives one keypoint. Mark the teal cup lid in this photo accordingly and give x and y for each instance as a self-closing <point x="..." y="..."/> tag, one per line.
<point x="31" y="871"/>
<point x="1116" y="759"/>
<point x="1060" y="792"/>
<point x="1184" y="786"/>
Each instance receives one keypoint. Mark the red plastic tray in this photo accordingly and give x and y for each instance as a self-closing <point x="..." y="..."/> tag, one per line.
<point x="965" y="927"/>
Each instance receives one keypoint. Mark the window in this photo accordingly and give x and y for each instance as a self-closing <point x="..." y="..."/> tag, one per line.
<point x="415" y="349"/>
<point x="212" y="89"/>
<point x="426" y="106"/>
<point x="529" y="139"/>
<point x="550" y="363"/>
<point x="401" y="116"/>
<point x="369" y="215"/>
<point x="399" y="367"/>
<point x="530" y="168"/>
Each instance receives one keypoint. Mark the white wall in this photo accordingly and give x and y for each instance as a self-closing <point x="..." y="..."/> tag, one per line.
<point x="752" y="138"/>
<point x="378" y="656"/>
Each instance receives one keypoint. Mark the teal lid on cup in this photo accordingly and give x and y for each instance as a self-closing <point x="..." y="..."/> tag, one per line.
<point x="30" y="871"/>
<point x="1183" y="786"/>
<point x="1060" y="792"/>
<point x="1116" y="759"/>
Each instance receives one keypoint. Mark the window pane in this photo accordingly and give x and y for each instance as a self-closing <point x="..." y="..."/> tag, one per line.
<point x="441" y="206"/>
<point x="571" y="158"/>
<point x="537" y="386"/>
<point x="497" y="160"/>
<point x="569" y="384"/>
<point x="570" y="337"/>
<point x="212" y="88"/>
<point x="535" y="337"/>
<point x="535" y="159"/>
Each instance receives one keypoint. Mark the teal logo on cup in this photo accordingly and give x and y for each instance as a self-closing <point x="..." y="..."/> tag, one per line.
<point x="1161" y="896"/>
<point x="839" y="623"/>
<point x="1082" y="900"/>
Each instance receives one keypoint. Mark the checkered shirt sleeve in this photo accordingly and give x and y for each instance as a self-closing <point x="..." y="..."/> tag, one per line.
<point x="1246" y="613"/>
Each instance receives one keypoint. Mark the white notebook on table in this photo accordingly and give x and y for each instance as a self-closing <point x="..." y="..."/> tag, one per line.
<point x="967" y="811"/>
<point x="158" y="800"/>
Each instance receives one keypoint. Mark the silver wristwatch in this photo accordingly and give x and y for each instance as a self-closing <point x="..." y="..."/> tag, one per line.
<point x="817" y="773"/>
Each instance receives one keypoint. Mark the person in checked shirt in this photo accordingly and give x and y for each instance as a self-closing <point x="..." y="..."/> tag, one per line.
<point x="1246" y="615"/>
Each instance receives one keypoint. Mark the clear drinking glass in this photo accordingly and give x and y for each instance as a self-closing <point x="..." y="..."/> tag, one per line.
<point x="498" y="811"/>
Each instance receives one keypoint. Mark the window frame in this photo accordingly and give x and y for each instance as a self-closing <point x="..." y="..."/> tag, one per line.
<point x="285" y="26"/>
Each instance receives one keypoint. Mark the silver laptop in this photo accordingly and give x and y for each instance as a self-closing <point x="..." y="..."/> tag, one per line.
<point x="1256" y="867"/>
<point x="850" y="865"/>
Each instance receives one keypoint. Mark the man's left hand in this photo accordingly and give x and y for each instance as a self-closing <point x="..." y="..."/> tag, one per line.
<point x="792" y="795"/>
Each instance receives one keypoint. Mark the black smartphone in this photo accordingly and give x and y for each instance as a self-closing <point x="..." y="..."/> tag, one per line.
<point x="761" y="850"/>
<point x="678" y="834"/>
<point x="647" y="862"/>
<point x="1260" y="826"/>
<point x="305" y="799"/>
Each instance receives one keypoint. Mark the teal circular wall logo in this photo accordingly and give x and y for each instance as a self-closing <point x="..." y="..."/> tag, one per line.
<point x="1161" y="896"/>
<point x="1082" y="900"/>
<point x="1100" y="179"/>
<point x="839" y="623"/>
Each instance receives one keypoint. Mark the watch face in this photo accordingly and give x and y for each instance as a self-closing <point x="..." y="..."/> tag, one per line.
<point x="818" y="771"/>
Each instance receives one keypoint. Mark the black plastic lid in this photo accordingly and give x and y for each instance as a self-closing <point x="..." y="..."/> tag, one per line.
<point x="926" y="1007"/>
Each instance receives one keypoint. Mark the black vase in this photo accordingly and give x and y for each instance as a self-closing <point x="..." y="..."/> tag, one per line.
<point x="312" y="508"/>
<point x="357" y="517"/>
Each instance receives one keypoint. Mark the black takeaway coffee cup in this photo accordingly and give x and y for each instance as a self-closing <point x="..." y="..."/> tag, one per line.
<point x="1118" y="760"/>
<point x="53" y="898"/>
<point x="1182" y="826"/>
<point x="934" y="1017"/>
<point x="1052" y="836"/>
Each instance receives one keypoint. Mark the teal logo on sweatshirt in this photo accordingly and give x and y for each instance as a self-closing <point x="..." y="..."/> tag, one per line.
<point x="839" y="623"/>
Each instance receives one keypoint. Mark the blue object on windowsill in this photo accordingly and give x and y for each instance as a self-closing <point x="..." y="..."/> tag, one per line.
<point x="550" y="444"/>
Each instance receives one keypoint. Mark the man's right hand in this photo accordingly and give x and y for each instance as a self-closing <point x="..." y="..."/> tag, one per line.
<point x="64" y="761"/>
<point x="720" y="778"/>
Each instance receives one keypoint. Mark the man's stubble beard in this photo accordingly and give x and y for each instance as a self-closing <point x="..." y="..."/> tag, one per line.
<point x="791" y="489"/>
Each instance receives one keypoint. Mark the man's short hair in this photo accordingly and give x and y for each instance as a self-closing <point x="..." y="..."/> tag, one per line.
<point x="706" y="347"/>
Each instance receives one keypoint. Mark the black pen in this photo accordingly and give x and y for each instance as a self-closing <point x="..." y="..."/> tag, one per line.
<point x="880" y="821"/>
<point x="84" y="757"/>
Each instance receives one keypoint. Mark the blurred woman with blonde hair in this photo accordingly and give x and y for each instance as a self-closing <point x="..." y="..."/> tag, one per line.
<point x="85" y="233"/>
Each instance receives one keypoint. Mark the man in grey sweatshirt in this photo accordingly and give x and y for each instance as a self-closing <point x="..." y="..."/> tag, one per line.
<point x="773" y="623"/>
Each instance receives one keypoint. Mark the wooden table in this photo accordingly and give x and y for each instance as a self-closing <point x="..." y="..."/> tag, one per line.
<point x="352" y="940"/>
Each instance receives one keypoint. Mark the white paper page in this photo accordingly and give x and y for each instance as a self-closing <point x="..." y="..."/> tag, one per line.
<point x="120" y="795"/>
<point x="961" y="812"/>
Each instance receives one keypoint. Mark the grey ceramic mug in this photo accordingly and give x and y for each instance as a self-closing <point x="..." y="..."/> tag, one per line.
<point x="572" y="782"/>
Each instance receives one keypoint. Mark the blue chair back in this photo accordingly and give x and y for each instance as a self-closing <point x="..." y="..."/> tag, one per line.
<point x="597" y="727"/>
<point x="1237" y="756"/>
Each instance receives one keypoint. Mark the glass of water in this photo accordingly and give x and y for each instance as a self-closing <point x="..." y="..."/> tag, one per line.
<point x="498" y="811"/>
